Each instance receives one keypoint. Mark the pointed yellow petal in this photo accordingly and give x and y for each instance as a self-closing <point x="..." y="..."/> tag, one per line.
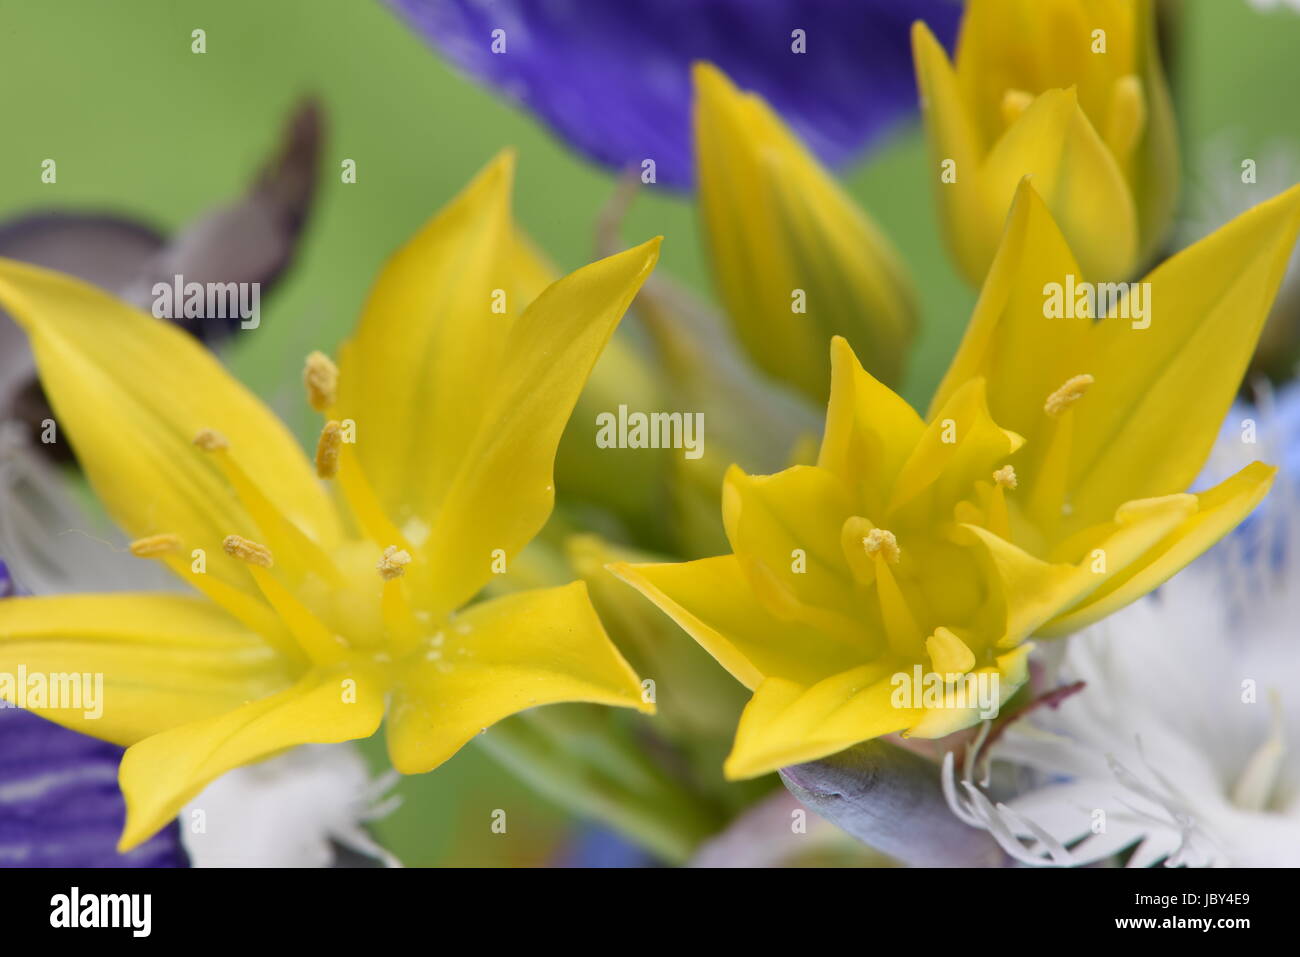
<point x="1011" y="341"/>
<point x="501" y="657"/>
<point x="962" y="445"/>
<point x="785" y="531"/>
<point x="787" y="723"/>
<point x="1077" y="177"/>
<point x="161" y="773"/>
<point x="870" y="431"/>
<point x="797" y="261"/>
<point x="1163" y="390"/>
<point x="1034" y="591"/>
<point x="1220" y="510"/>
<point x="419" y="373"/>
<point x="132" y="392"/>
<point x="163" y="660"/>
<point x="503" y="489"/>
<point x="712" y="600"/>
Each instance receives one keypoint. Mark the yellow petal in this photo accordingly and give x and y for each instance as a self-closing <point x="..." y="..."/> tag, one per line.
<point x="870" y="431"/>
<point x="132" y="392"/>
<point x="163" y="659"/>
<point x="787" y="723"/>
<point x="1162" y="392"/>
<point x="796" y="260"/>
<point x="712" y="600"/>
<point x="1010" y="341"/>
<point x="161" y="773"/>
<point x="419" y="372"/>
<point x="1034" y="591"/>
<point x="693" y="694"/>
<point x="785" y="531"/>
<point x="1220" y="510"/>
<point x="998" y="683"/>
<point x="501" y="657"/>
<point x="502" y="491"/>
<point x="1078" y="179"/>
<point x="962" y="444"/>
<point x="1037" y="45"/>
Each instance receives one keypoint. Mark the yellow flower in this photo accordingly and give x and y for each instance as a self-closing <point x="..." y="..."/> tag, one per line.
<point x="319" y="609"/>
<point x="1043" y="491"/>
<point x="795" y="259"/>
<point x="1070" y="91"/>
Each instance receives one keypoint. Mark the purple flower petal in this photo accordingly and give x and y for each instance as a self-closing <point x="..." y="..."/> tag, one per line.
<point x="613" y="78"/>
<point x="59" y="801"/>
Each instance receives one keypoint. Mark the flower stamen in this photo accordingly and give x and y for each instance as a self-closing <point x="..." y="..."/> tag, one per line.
<point x="1071" y="392"/>
<point x="949" y="655"/>
<point x="392" y="564"/>
<point x="882" y="542"/>
<point x="1005" y="477"/>
<point x="327" y="450"/>
<point x="246" y="550"/>
<point x="155" y="546"/>
<point x="321" y="377"/>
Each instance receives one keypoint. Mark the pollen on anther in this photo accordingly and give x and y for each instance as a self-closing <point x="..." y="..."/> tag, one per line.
<point x="392" y="564"/>
<point x="155" y="546"/>
<point x="327" y="450"/>
<point x="881" y="542"/>
<point x="1071" y="392"/>
<point x="247" y="550"/>
<point x="321" y="376"/>
<point x="210" y="440"/>
<point x="1005" y="477"/>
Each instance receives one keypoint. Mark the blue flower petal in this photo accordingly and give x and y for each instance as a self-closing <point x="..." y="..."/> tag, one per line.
<point x="612" y="77"/>
<point x="59" y="801"/>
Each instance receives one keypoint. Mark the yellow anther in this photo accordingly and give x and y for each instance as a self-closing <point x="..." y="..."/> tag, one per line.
<point x="392" y="564"/>
<point x="321" y="376"/>
<point x="1005" y="477"/>
<point x="245" y="550"/>
<point x="1071" y="392"/>
<point x="1014" y="103"/>
<point x="949" y="654"/>
<point x="209" y="440"/>
<point x="327" y="450"/>
<point x="880" y="542"/>
<point x="155" y="546"/>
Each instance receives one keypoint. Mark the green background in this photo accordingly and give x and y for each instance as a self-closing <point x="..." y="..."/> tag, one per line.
<point x="141" y="126"/>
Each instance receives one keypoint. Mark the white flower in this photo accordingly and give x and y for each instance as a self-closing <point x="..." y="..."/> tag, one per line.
<point x="1184" y="743"/>
<point x="288" y="811"/>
